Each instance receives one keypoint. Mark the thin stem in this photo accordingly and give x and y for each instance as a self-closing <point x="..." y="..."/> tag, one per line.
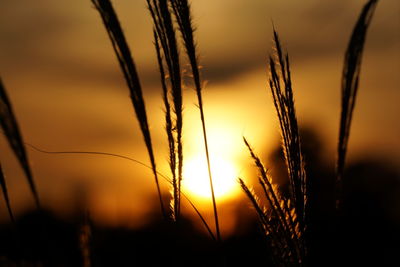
<point x="128" y="68"/>
<point x="135" y="161"/>
<point x="183" y="16"/>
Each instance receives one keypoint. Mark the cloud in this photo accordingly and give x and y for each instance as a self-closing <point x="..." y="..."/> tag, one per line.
<point x="234" y="37"/>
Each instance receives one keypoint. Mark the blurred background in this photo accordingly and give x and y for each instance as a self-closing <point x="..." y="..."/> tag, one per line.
<point x="68" y="94"/>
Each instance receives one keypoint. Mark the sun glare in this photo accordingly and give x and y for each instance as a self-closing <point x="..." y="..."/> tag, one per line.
<point x="196" y="180"/>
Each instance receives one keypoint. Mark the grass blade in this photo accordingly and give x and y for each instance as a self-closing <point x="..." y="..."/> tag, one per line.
<point x="123" y="53"/>
<point x="10" y="127"/>
<point x="349" y="88"/>
<point x="5" y="194"/>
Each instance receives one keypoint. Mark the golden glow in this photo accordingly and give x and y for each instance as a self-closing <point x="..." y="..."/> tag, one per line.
<point x="196" y="179"/>
<point x="227" y="122"/>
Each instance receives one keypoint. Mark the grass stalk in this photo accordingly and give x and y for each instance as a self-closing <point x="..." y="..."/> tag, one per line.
<point x="275" y="234"/>
<point x="282" y="93"/>
<point x="169" y="130"/>
<point x="11" y="130"/>
<point x="349" y="88"/>
<point x="286" y="223"/>
<point x="260" y="210"/>
<point x="5" y="195"/>
<point x="123" y="53"/>
<point x="288" y="215"/>
<point x="165" y="40"/>
<point x="85" y="240"/>
<point x="183" y="17"/>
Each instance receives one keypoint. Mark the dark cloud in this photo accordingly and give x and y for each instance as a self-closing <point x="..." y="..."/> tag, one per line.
<point x="234" y="38"/>
<point x="309" y="31"/>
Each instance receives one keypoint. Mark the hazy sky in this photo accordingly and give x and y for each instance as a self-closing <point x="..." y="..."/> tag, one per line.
<point x="68" y="93"/>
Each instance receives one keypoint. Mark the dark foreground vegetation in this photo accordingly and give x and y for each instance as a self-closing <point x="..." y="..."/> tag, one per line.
<point x="368" y="235"/>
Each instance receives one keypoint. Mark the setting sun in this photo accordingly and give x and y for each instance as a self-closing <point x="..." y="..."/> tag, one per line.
<point x="196" y="180"/>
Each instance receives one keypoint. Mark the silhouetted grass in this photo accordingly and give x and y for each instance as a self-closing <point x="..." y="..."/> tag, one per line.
<point x="165" y="40"/>
<point x="85" y="240"/>
<point x="5" y="194"/>
<point x="183" y="17"/>
<point x="11" y="130"/>
<point x="123" y="53"/>
<point x="281" y="87"/>
<point x="287" y="218"/>
<point x="175" y="203"/>
<point x="282" y="93"/>
<point x="350" y="79"/>
<point x="279" y="220"/>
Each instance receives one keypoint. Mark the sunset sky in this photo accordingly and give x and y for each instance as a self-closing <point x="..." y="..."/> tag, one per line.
<point x="61" y="74"/>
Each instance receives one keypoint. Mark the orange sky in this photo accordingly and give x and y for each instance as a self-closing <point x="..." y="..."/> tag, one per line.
<point x="68" y="93"/>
